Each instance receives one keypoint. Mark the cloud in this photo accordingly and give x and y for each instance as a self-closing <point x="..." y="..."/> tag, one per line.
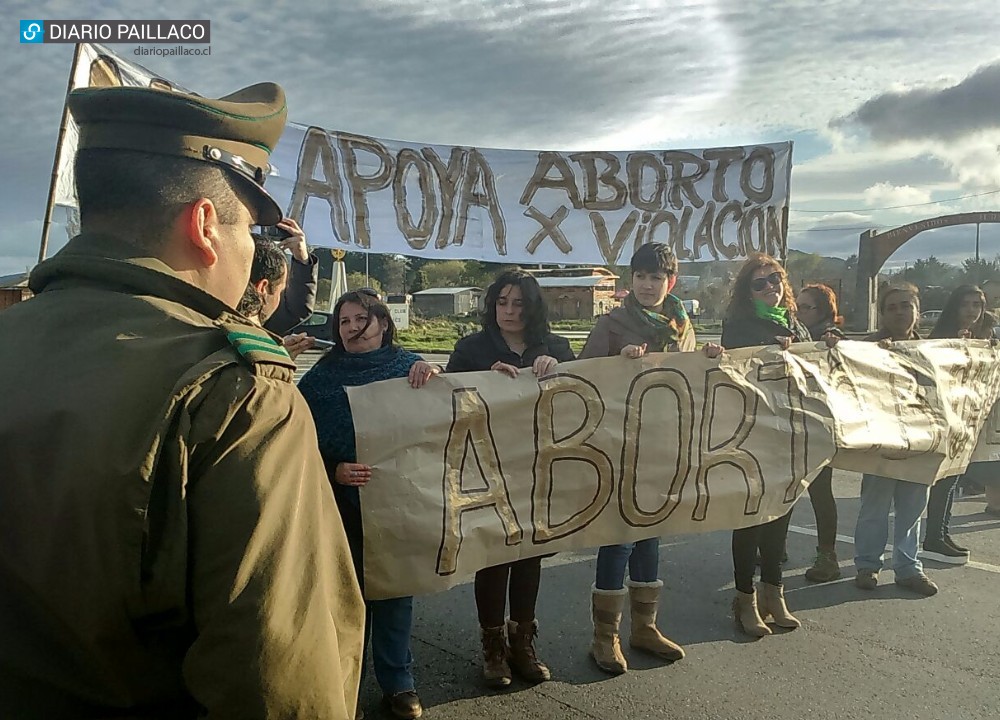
<point x="575" y="74"/>
<point x="885" y="194"/>
<point x="847" y="175"/>
<point x="938" y="113"/>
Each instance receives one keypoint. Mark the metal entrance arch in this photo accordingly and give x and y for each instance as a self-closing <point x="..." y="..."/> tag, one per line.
<point x="874" y="248"/>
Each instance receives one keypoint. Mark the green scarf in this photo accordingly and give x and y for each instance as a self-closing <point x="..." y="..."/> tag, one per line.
<point x="777" y="313"/>
<point x="666" y="327"/>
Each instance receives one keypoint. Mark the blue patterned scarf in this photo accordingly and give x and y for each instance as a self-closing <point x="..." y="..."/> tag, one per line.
<point x="324" y="390"/>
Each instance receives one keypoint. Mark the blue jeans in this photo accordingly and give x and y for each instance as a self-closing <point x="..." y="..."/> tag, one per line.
<point x="387" y="626"/>
<point x="878" y="494"/>
<point x="642" y="558"/>
<point x="387" y="622"/>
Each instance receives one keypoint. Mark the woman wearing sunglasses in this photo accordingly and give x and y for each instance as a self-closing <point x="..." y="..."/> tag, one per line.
<point x="762" y="311"/>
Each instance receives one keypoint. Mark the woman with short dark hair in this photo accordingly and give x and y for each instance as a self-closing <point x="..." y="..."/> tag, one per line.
<point x="762" y="311"/>
<point x="651" y="319"/>
<point x="515" y="336"/>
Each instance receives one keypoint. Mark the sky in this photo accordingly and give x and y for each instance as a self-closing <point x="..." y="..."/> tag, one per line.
<point x="889" y="104"/>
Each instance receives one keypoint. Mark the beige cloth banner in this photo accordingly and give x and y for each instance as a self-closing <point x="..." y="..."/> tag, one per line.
<point x="988" y="448"/>
<point x="478" y="469"/>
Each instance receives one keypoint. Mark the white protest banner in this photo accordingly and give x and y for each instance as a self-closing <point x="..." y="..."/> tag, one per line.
<point x="442" y="202"/>
<point x="988" y="449"/>
<point x="478" y="469"/>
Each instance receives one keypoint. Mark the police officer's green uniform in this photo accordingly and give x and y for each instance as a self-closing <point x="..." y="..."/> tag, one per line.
<point x="169" y="543"/>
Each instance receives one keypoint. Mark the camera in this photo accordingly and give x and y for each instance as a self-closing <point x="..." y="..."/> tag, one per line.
<point x="273" y="233"/>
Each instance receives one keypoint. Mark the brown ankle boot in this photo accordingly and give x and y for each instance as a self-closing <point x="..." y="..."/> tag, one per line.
<point x="645" y="597"/>
<point x="496" y="671"/>
<point x="772" y="602"/>
<point x="747" y="618"/>
<point x="606" y="608"/>
<point x="522" y="651"/>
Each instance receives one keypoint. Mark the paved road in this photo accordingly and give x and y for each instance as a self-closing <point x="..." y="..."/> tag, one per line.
<point x="883" y="655"/>
<point x="870" y="656"/>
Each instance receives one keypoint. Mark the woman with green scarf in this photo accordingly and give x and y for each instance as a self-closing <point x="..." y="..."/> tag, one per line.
<point x="651" y="320"/>
<point x="761" y="312"/>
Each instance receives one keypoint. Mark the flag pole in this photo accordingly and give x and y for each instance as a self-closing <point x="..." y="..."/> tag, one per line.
<point x="47" y="223"/>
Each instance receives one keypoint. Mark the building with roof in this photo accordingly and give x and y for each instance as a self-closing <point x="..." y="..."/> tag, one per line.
<point x="584" y="294"/>
<point x="13" y="289"/>
<point x="438" y="302"/>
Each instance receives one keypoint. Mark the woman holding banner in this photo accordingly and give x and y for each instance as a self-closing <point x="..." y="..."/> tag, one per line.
<point x="963" y="316"/>
<point x="898" y="312"/>
<point x="817" y="310"/>
<point x="515" y="336"/>
<point x="762" y="311"/>
<point x="365" y="354"/>
<point x="650" y="320"/>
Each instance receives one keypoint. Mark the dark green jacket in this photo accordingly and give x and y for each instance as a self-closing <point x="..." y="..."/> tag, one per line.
<point x="170" y="546"/>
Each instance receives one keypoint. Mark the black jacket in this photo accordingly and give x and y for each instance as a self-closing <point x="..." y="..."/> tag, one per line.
<point x="822" y="329"/>
<point x="480" y="350"/>
<point x="298" y="298"/>
<point x="754" y="331"/>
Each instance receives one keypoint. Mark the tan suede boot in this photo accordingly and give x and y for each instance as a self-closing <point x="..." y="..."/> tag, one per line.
<point x="523" y="659"/>
<point x="772" y="602"/>
<point x="606" y="612"/>
<point x="496" y="671"/>
<point x="747" y="618"/>
<point x="645" y="597"/>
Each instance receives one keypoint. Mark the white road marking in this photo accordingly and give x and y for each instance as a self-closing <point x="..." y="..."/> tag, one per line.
<point x="986" y="567"/>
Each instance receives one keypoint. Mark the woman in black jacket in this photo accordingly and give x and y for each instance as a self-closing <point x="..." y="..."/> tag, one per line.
<point x="761" y="312"/>
<point x="515" y="336"/>
<point x="963" y="316"/>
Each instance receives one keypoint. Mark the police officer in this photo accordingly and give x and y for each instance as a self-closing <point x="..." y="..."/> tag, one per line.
<point x="170" y="546"/>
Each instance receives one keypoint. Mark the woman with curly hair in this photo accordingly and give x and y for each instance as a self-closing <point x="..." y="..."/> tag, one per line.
<point x="762" y="311"/>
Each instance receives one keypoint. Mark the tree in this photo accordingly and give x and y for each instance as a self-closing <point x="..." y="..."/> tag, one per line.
<point x="976" y="272"/>
<point x="356" y="281"/>
<point x="929" y="271"/>
<point x="445" y="273"/>
<point x="420" y="281"/>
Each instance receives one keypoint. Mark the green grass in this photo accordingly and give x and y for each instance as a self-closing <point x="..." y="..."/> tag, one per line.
<point x="439" y="335"/>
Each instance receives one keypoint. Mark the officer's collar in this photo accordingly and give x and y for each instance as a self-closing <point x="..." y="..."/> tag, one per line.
<point x="108" y="260"/>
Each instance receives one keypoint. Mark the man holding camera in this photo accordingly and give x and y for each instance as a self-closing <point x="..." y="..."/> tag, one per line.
<point x="289" y="299"/>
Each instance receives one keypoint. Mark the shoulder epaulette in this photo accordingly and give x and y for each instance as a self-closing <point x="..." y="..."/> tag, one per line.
<point x="257" y="346"/>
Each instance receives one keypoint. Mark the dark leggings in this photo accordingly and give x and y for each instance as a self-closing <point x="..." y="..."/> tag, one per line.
<point x="492" y="585"/>
<point x="824" y="508"/>
<point x="939" y="508"/>
<point x="770" y="539"/>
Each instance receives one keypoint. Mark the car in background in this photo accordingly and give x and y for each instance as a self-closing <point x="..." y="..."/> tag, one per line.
<point x="929" y="317"/>
<point x="318" y="325"/>
<point x="692" y="307"/>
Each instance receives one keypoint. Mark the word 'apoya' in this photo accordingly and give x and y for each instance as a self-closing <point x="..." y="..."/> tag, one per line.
<point x="659" y="191"/>
<point x="471" y="446"/>
<point x="447" y="188"/>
